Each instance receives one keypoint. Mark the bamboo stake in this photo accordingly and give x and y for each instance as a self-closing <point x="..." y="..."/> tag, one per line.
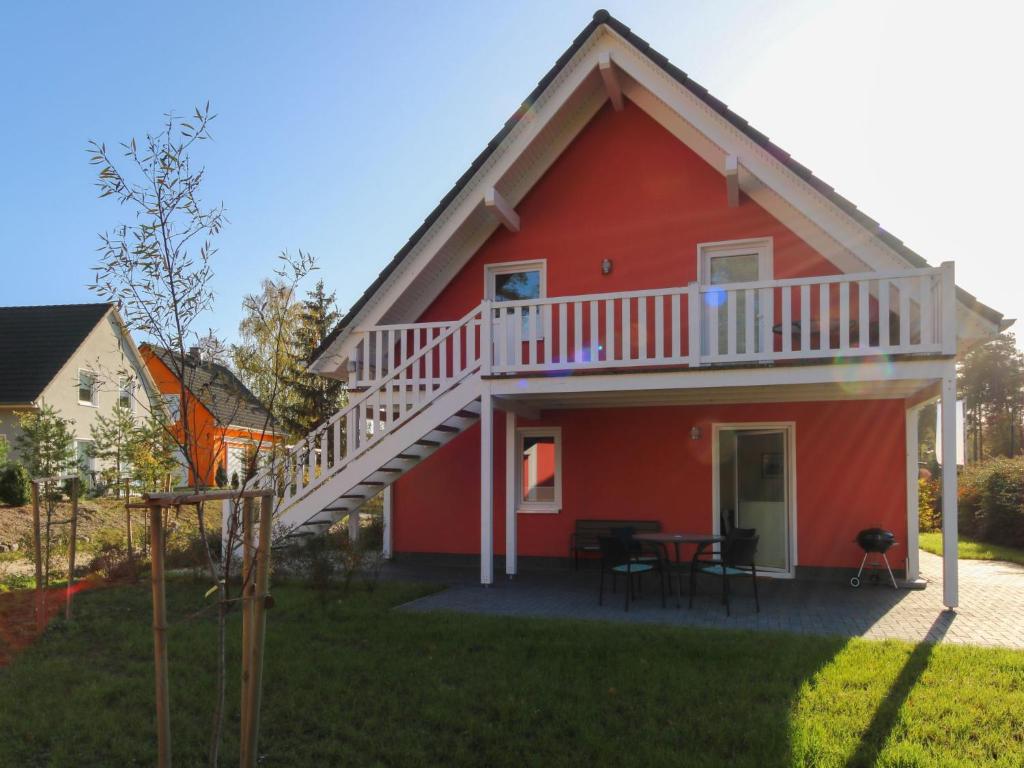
<point x="71" y="547"/>
<point x="163" y="709"/>
<point x="248" y="591"/>
<point x="37" y="547"/>
<point x="259" y="626"/>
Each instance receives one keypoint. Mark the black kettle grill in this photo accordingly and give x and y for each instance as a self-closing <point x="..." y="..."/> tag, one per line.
<point x="875" y="541"/>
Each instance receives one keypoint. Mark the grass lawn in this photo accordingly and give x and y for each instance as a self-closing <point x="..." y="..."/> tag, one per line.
<point x="350" y="682"/>
<point x="969" y="549"/>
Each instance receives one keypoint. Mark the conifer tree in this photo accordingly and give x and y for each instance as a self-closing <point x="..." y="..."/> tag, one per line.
<point x="112" y="439"/>
<point x="312" y="399"/>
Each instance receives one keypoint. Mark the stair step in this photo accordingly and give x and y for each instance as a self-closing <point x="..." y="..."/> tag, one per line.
<point x="371" y="482"/>
<point x="353" y="496"/>
<point x="335" y="509"/>
<point x="444" y="428"/>
<point x="388" y="469"/>
<point x="408" y="456"/>
<point x="429" y="443"/>
<point x="466" y="414"/>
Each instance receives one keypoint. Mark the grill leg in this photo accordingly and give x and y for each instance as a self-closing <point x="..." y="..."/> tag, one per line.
<point x="855" y="581"/>
<point x="892" y="578"/>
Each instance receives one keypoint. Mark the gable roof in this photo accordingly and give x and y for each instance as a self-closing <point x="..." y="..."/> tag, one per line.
<point x="36" y="342"/>
<point x="222" y="393"/>
<point x="602" y="17"/>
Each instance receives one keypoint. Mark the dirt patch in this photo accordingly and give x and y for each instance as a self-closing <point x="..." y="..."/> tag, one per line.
<point x="94" y="516"/>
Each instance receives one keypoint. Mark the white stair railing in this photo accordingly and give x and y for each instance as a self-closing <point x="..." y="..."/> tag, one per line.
<point x="435" y="368"/>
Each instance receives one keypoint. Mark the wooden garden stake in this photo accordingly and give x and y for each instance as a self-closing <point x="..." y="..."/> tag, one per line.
<point x="37" y="546"/>
<point x="248" y="591"/>
<point x="75" y="482"/>
<point x="163" y="708"/>
<point x="128" y="518"/>
<point x="251" y="712"/>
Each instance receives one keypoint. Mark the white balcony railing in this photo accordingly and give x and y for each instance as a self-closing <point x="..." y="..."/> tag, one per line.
<point x="834" y="316"/>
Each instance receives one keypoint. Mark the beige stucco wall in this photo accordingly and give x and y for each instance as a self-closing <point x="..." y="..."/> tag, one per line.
<point x="108" y="354"/>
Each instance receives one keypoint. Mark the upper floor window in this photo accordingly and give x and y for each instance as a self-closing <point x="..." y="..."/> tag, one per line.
<point x="126" y="393"/>
<point x="517" y="281"/>
<point x="735" y="261"/>
<point x="173" y="404"/>
<point x="86" y="387"/>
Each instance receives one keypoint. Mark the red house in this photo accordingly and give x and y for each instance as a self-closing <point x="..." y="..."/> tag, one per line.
<point x="634" y="306"/>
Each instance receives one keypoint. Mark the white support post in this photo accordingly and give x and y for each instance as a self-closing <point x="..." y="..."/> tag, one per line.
<point x="353" y="526"/>
<point x="486" y="337"/>
<point x="693" y="318"/>
<point x="950" y="570"/>
<point x="486" y="489"/>
<point x="511" y="522"/>
<point x="732" y="181"/>
<point x="913" y="564"/>
<point x="611" y="80"/>
<point x="386" y="544"/>
<point x="948" y="321"/>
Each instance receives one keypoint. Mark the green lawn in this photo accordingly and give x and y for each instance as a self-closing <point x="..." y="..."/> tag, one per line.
<point x="350" y="682"/>
<point x="969" y="549"/>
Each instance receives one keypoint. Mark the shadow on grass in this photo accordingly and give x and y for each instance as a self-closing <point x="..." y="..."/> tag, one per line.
<point x="875" y="736"/>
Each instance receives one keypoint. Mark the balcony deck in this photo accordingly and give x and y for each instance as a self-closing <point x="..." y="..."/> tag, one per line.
<point x="808" y="320"/>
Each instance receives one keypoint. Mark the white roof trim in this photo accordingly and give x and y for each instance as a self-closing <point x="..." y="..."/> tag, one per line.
<point x="769" y="182"/>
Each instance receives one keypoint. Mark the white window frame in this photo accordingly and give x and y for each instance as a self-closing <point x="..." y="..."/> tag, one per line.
<point x="764" y="247"/>
<point x="126" y="384"/>
<point x="89" y="463"/>
<point x="95" y="381"/>
<point x="174" y="416"/>
<point x="538" y="507"/>
<point x="510" y="267"/>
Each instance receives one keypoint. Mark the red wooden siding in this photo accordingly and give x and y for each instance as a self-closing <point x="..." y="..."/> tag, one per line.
<point x="629" y="191"/>
<point x="641" y="463"/>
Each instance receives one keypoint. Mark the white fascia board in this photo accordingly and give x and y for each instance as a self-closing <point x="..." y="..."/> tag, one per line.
<point x="540" y="114"/>
<point x="700" y="378"/>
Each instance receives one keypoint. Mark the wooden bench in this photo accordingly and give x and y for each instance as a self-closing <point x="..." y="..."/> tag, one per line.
<point x="584" y="538"/>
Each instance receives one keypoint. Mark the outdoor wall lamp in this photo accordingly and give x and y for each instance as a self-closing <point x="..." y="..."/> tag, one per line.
<point x="606" y="267"/>
<point x="695" y="433"/>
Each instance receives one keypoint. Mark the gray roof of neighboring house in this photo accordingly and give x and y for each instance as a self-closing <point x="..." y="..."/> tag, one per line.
<point x="36" y="342"/>
<point x="220" y="391"/>
<point x="603" y="17"/>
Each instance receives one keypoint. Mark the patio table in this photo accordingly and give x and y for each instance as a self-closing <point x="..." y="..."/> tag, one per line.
<point x="662" y="539"/>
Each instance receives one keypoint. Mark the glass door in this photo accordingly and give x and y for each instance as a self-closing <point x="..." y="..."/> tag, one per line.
<point x="724" y="264"/>
<point x="753" y="475"/>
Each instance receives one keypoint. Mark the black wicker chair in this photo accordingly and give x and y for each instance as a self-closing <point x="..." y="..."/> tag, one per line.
<point x="618" y="559"/>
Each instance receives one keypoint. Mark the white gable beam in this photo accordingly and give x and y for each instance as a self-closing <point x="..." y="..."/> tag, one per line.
<point x="500" y="209"/>
<point x="732" y="180"/>
<point x="611" y="80"/>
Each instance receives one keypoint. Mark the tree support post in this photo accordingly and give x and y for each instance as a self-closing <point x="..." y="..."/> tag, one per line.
<point x="75" y="490"/>
<point x="37" y="552"/>
<point x="163" y="707"/>
<point x="248" y="592"/>
<point x="251" y="712"/>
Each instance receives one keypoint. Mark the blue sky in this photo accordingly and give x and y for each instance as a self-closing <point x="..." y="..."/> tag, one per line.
<point x="342" y="124"/>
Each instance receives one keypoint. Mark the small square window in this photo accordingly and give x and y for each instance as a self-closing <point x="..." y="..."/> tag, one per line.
<point x="86" y="388"/>
<point x="518" y="281"/>
<point x="126" y="394"/>
<point x="539" y="469"/>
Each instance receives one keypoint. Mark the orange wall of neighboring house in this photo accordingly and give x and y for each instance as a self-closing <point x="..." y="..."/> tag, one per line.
<point x="629" y="191"/>
<point x="211" y="439"/>
<point x="641" y="463"/>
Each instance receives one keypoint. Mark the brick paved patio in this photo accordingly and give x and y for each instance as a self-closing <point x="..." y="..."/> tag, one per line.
<point x="991" y="597"/>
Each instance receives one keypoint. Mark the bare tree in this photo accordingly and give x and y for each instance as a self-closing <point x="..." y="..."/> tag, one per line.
<point x="158" y="269"/>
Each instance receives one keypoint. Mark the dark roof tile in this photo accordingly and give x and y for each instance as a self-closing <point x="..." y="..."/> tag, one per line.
<point x="36" y="342"/>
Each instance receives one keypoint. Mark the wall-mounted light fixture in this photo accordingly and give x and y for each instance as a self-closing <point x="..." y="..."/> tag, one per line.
<point x="606" y="267"/>
<point x="695" y="432"/>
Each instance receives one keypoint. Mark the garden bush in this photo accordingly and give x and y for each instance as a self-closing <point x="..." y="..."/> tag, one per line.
<point x="14" y="485"/>
<point x="991" y="501"/>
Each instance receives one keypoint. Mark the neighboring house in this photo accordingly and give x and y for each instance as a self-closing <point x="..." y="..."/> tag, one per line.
<point x="634" y="305"/>
<point x="228" y="423"/>
<point x="77" y="358"/>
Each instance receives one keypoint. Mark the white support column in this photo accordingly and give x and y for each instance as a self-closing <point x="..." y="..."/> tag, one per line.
<point x="511" y="522"/>
<point x="913" y="565"/>
<point x="386" y="545"/>
<point x="486" y="489"/>
<point x="950" y="571"/>
<point x="353" y="525"/>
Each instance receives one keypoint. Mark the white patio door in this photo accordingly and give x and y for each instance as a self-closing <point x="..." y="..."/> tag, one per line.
<point x="742" y="261"/>
<point x="754" y="491"/>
